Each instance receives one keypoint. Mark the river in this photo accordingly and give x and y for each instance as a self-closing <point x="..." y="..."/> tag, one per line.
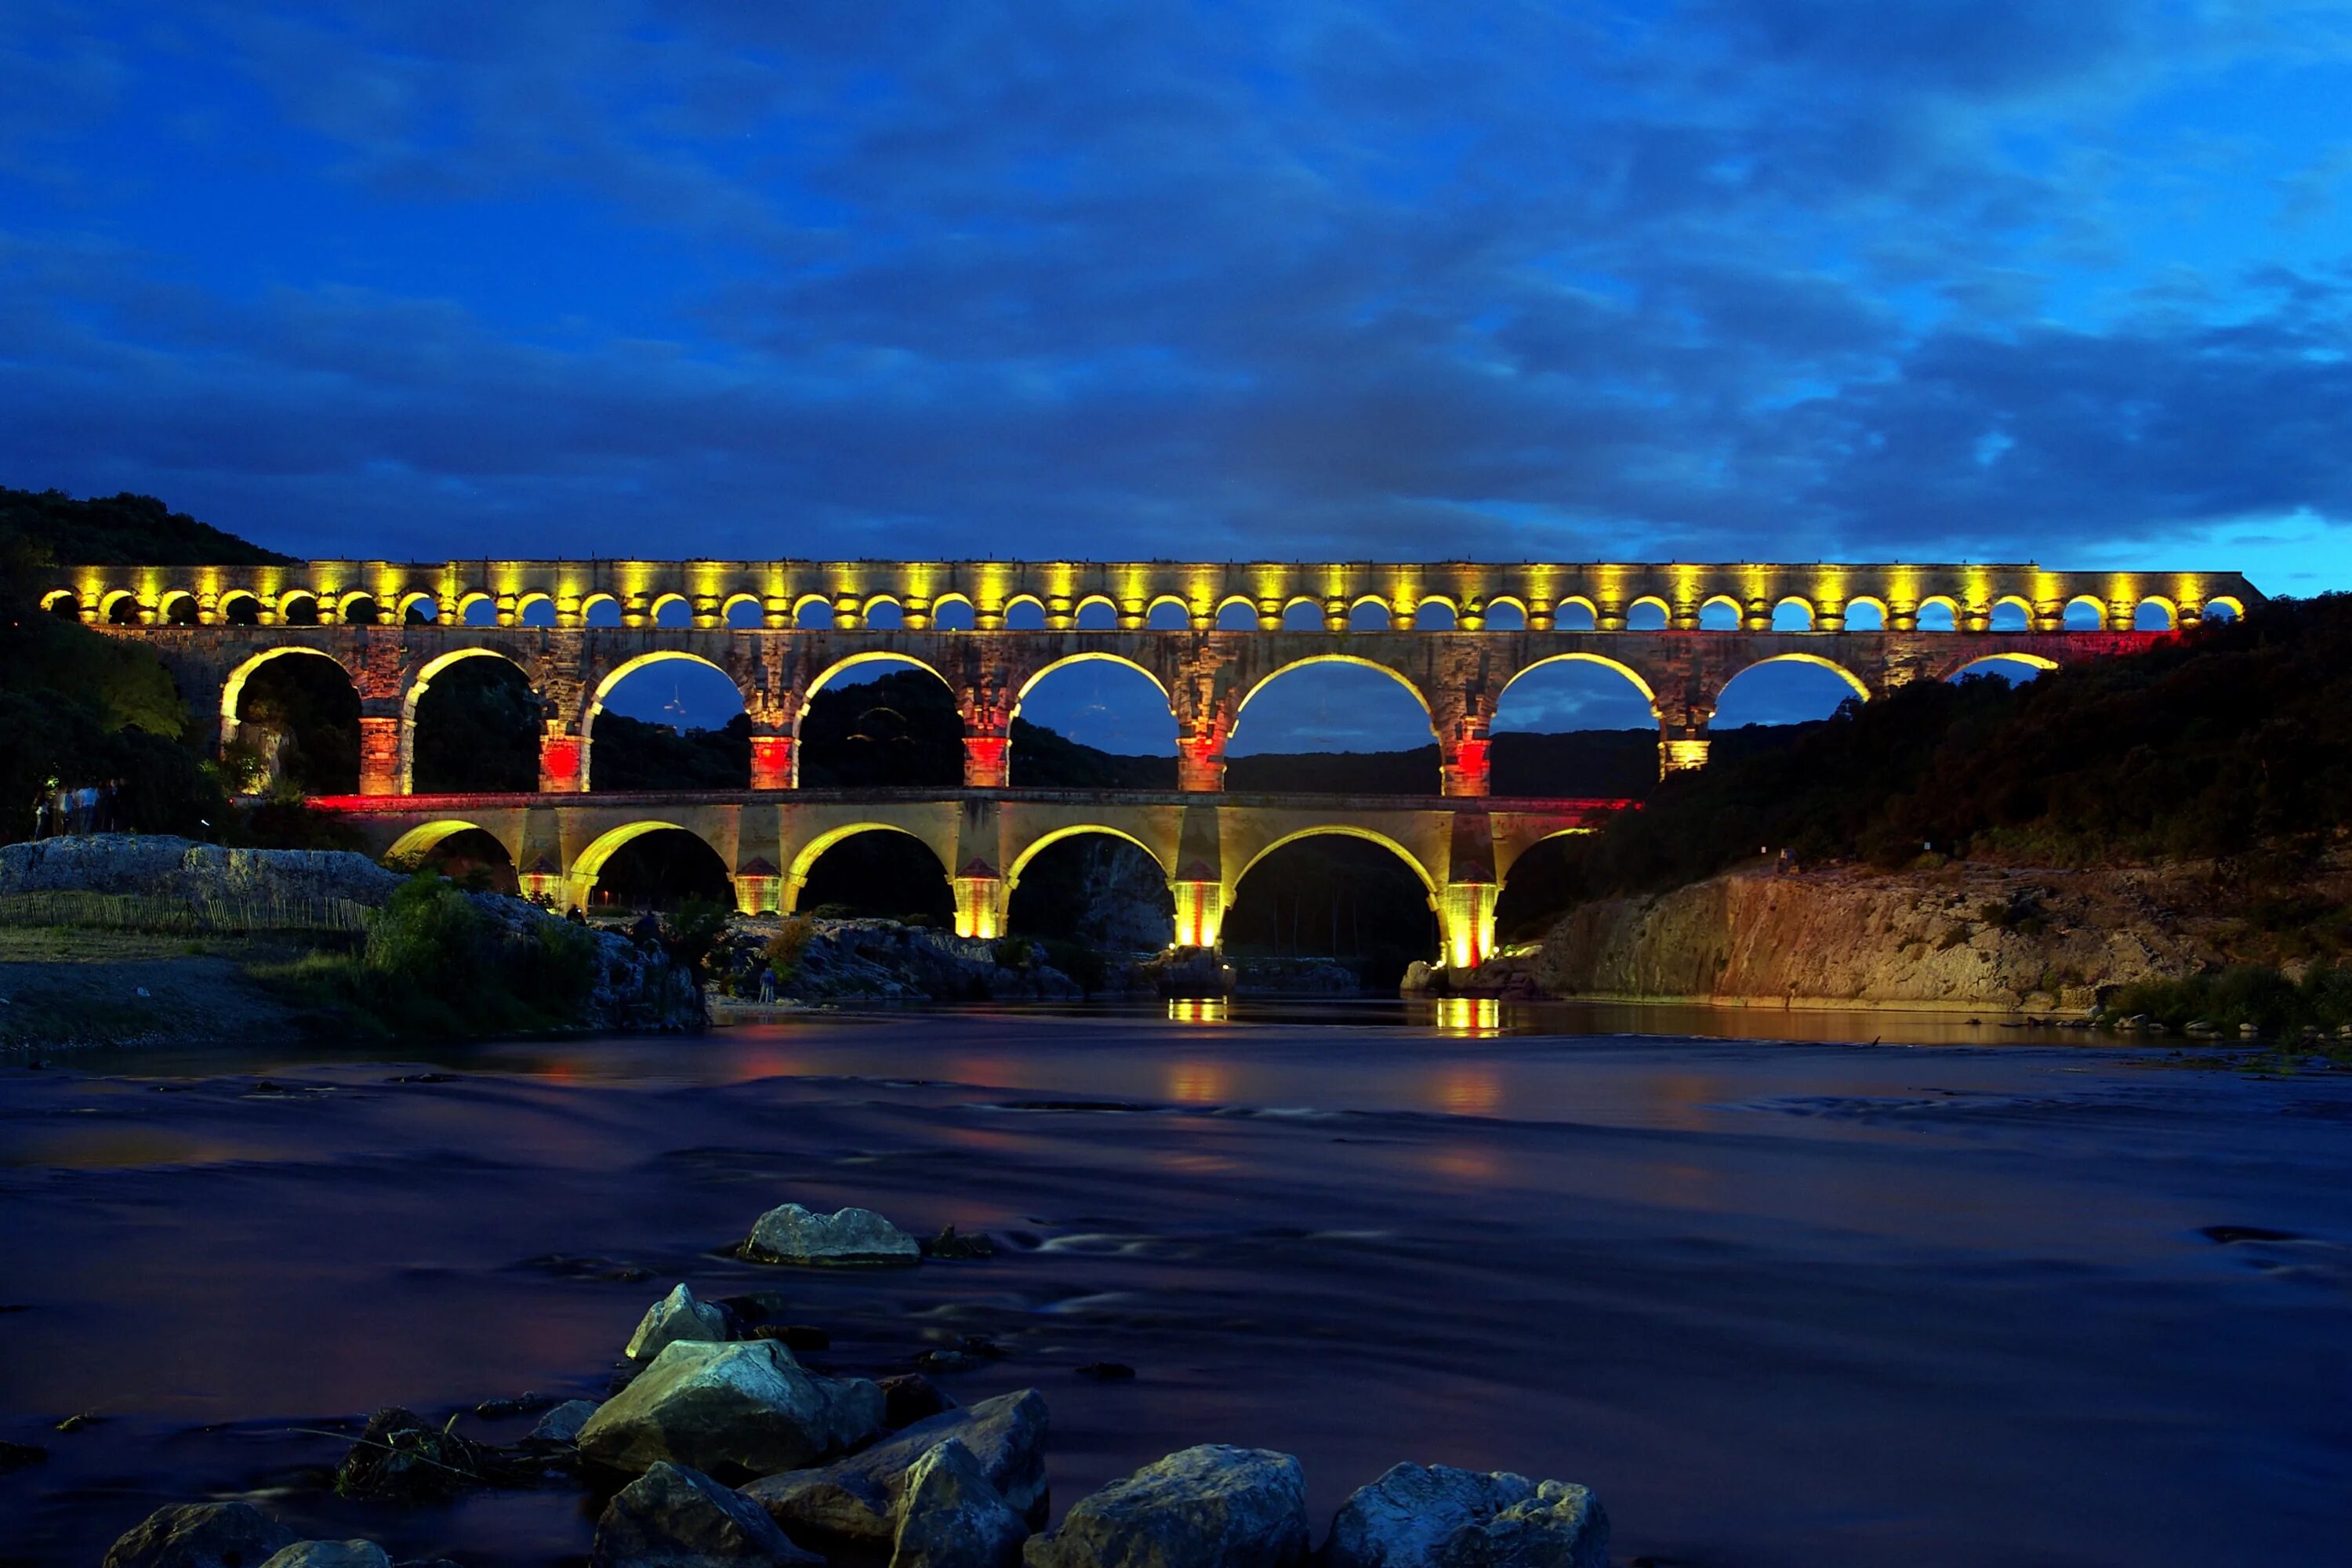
<point x="1953" y="1297"/>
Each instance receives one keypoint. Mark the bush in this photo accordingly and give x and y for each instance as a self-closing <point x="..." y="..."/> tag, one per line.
<point x="1080" y="962"/>
<point x="1014" y="953"/>
<point x="2241" y="994"/>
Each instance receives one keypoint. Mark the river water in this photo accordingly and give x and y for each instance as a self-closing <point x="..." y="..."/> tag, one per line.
<point x="1953" y="1297"/>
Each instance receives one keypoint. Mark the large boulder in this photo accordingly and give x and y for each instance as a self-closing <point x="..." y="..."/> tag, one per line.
<point x="201" y="1535"/>
<point x="332" y="1555"/>
<point x="677" y="1316"/>
<point x="849" y="1238"/>
<point x="673" y="1517"/>
<point x="745" y="1407"/>
<point x="856" y="1501"/>
<point x="1210" y="1506"/>
<point x="562" y="1424"/>
<point x="1433" y="1516"/>
<point x="951" y="1518"/>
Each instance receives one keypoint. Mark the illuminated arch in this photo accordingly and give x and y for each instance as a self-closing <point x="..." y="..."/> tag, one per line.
<point x="1152" y="611"/>
<point x="1324" y="658"/>
<point x="1387" y="610"/>
<point x="663" y="602"/>
<point x="1078" y="613"/>
<point x="875" y="655"/>
<point x="1945" y="602"/>
<point x="589" y="605"/>
<point x="1665" y="612"/>
<point x="1627" y="671"/>
<point x="1739" y="613"/>
<point x="948" y="603"/>
<point x="883" y="604"/>
<point x="1812" y="616"/>
<point x="1428" y="881"/>
<point x="2229" y="602"/>
<point x="1452" y="614"/>
<point x="1046" y="841"/>
<point x="803" y="604"/>
<point x="814" y="850"/>
<point x="1217" y="617"/>
<point x="298" y="606"/>
<point x="233" y="689"/>
<point x="1580" y="605"/>
<point x="1302" y="602"/>
<point x="728" y="605"/>
<point x="1506" y="602"/>
<point x="1866" y="601"/>
<point x="418" y="841"/>
<point x="526" y="603"/>
<point x="2093" y="615"/>
<point x="353" y="601"/>
<point x="410" y="600"/>
<point x="1861" y="688"/>
<point x="173" y="604"/>
<point x="1091" y="656"/>
<point x="1025" y="601"/>
<point x="2170" y="610"/>
<point x="56" y="597"/>
<point x="2040" y="663"/>
<point x="1503" y="866"/>
<point x="590" y="863"/>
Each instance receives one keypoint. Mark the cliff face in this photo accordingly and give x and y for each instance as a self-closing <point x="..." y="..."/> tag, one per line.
<point x="1960" y="938"/>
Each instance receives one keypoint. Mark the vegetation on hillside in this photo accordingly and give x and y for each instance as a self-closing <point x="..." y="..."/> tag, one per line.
<point x="118" y="530"/>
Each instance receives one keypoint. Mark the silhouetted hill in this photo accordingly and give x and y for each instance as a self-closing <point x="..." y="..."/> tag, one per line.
<point x="44" y="526"/>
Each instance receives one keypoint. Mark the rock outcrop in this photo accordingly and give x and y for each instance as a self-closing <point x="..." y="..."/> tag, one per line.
<point x="953" y="1518"/>
<point x="200" y="874"/>
<point x="677" y="1316"/>
<point x="856" y="1502"/>
<point x="562" y="1424"/>
<point x="673" y="1517"/>
<point x="1964" y="938"/>
<point x="200" y="1535"/>
<point x="1433" y="1516"/>
<point x="845" y="1239"/>
<point x="746" y="1407"/>
<point x="1209" y="1507"/>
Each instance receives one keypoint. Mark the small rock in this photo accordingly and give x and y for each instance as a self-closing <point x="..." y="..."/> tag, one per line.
<point x="78" y="1420"/>
<point x="562" y="1424"/>
<point x="1106" y="1371"/>
<point x="855" y="1501"/>
<point x="1433" y="1516"/>
<point x="950" y="1517"/>
<point x="332" y="1555"/>
<point x="399" y="1458"/>
<point x="849" y="1238"/>
<point x="520" y="1405"/>
<point x="17" y="1455"/>
<point x="673" y="1517"/>
<point x="909" y="1397"/>
<point x="1208" y="1507"/>
<point x="795" y="1336"/>
<point x="745" y="1406"/>
<point x="948" y="1246"/>
<point x="200" y="1535"/>
<point x="677" y="1316"/>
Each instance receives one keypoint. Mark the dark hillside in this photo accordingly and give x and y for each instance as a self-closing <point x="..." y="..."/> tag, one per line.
<point x="49" y="526"/>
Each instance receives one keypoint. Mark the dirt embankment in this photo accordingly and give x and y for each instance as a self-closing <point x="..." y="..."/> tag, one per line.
<point x="1964" y="937"/>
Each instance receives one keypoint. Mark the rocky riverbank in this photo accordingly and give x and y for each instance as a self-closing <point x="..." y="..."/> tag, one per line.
<point x="130" y="940"/>
<point x="1960" y="937"/>
<point x="718" y="1443"/>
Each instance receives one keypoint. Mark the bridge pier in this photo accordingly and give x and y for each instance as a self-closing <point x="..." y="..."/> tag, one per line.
<point x="772" y="762"/>
<point x="980" y="898"/>
<point x="379" y="752"/>
<point x="563" y="761"/>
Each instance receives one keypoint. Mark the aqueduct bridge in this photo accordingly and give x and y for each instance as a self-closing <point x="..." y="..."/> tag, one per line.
<point x="1209" y="636"/>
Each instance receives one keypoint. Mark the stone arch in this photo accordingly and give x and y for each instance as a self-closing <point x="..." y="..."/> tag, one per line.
<point x="1373" y="601"/>
<point x="120" y="609"/>
<point x="1801" y="606"/>
<point x="2022" y="606"/>
<point x="1521" y="850"/>
<point x="1576" y="607"/>
<point x="1273" y="676"/>
<point x="1152" y="618"/>
<point x="1078" y="613"/>
<point x="1302" y="614"/>
<point x="1710" y="620"/>
<point x="883" y="613"/>
<point x="949" y="607"/>
<point x="62" y="602"/>
<point x="233" y="689"/>
<point x="877" y="656"/>
<point x="240" y="607"/>
<point x="1090" y="657"/>
<point x="660" y="606"/>
<point x="1347" y="830"/>
<point x="1945" y="603"/>
<point x="1861" y="688"/>
<point x="2041" y="664"/>
<point x="727" y="607"/>
<point x="1046" y="840"/>
<point x="2165" y="607"/>
<point x="359" y="609"/>
<point x="527" y="605"/>
<point x="420" y="840"/>
<point x="595" y="605"/>
<point x="1875" y="605"/>
<point x="298" y="607"/>
<point x="1503" y="608"/>
<point x="613" y="678"/>
<point x="812" y="612"/>
<point x="1627" y="671"/>
<point x="415" y="600"/>
<point x="177" y="607"/>
<point x="580" y="879"/>
<point x="1018" y="604"/>
<point x="417" y="686"/>
<point x="1241" y="601"/>
<point x="2229" y="602"/>
<point x="1665" y="614"/>
<point x="1450" y="611"/>
<point x="2083" y="613"/>
<point x="806" y="857"/>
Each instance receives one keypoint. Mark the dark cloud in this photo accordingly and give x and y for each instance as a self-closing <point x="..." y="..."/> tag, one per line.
<point x="1731" y="278"/>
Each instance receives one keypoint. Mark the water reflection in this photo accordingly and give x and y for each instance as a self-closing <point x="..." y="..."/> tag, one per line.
<point x="1198" y="1083"/>
<point x="1199" y="1010"/>
<point x="1468" y="1091"/>
<point x="1471" y="1016"/>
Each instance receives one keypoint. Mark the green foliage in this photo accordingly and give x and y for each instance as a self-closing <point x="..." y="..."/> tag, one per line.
<point x="1014" y="953"/>
<point x="631" y="754"/>
<point x="692" y="930"/>
<point x="286" y="821"/>
<point x="310" y="705"/>
<point x="1044" y="758"/>
<point x="1080" y="962"/>
<point x="433" y="962"/>
<point x="2241" y="994"/>
<point x="2235" y="736"/>
<point x="477" y="729"/>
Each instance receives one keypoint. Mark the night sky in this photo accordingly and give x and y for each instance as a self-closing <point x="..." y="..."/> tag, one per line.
<point x="2062" y="281"/>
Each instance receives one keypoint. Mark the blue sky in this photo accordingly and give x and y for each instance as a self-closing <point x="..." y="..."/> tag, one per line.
<point x="1734" y="278"/>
